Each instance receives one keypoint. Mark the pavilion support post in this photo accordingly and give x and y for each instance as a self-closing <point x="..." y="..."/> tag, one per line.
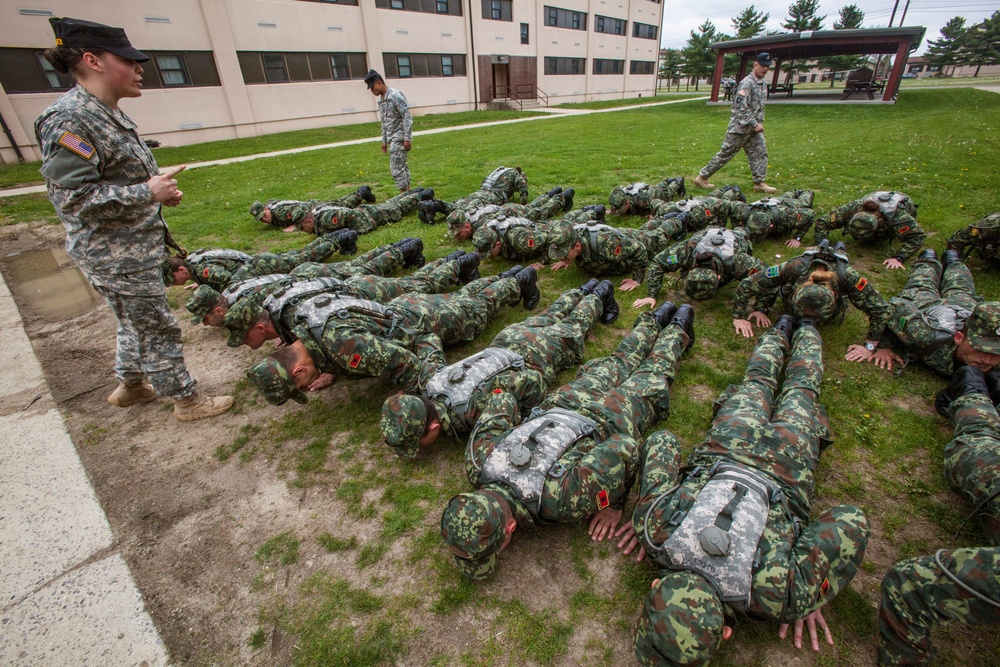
<point x="720" y="58"/>
<point x="892" y="83"/>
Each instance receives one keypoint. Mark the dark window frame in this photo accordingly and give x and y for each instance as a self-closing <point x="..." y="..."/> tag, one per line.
<point x="609" y="25"/>
<point x="560" y="66"/>
<point x="424" y="65"/>
<point x="613" y="65"/>
<point x="525" y="35"/>
<point x="438" y="7"/>
<point x="556" y="17"/>
<point x="646" y="65"/>
<point x="644" y="30"/>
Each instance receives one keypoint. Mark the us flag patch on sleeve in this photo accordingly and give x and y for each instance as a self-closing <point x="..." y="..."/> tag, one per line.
<point x="77" y="145"/>
<point x="602" y="499"/>
<point x="355" y="361"/>
<point x="862" y="283"/>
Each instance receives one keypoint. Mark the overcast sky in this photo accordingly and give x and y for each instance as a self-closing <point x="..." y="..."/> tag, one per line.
<point x="680" y="18"/>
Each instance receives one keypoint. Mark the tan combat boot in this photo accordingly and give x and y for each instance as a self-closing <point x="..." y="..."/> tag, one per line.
<point x="130" y="393"/>
<point x="764" y="187"/>
<point x="199" y="406"/>
<point x="700" y="181"/>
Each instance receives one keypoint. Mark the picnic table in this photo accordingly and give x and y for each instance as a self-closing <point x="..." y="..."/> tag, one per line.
<point x="776" y="88"/>
<point x="862" y="81"/>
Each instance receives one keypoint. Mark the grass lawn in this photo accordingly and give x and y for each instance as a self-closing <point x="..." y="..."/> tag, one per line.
<point x="939" y="146"/>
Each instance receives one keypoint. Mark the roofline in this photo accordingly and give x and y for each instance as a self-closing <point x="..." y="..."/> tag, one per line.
<point x="915" y="33"/>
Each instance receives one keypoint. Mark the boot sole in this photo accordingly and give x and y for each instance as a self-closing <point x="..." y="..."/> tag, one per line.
<point x="125" y="404"/>
<point x="204" y="415"/>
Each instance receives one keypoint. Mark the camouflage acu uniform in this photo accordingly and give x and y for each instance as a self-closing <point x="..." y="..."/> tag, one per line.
<point x="899" y="222"/>
<point x="943" y="298"/>
<point x="791" y="214"/>
<point x="760" y="290"/>
<point x="916" y="595"/>
<point x="286" y="212"/>
<point x="746" y="113"/>
<point x="622" y="395"/>
<point x="638" y="198"/>
<point x="401" y="348"/>
<point x="548" y="342"/>
<point x="96" y="168"/>
<point x="397" y="127"/>
<point x="366" y="217"/>
<point x="798" y="566"/>
<point x="217" y="270"/>
<point x="685" y="257"/>
<point x="522" y="239"/>
<point x="983" y="237"/>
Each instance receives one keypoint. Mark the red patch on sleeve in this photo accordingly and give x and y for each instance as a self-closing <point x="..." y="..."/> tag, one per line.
<point x="708" y="213"/>
<point x="862" y="283"/>
<point x="498" y="391"/>
<point x="205" y="273"/>
<point x="355" y="361"/>
<point x="903" y="230"/>
<point x="602" y="499"/>
<point x="335" y="221"/>
<point x="618" y="250"/>
<point x="824" y="588"/>
<point x="753" y="271"/>
<point x="531" y="243"/>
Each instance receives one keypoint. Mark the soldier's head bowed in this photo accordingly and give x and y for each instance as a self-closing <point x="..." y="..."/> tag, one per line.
<point x="474" y="526"/>
<point x="682" y="622"/>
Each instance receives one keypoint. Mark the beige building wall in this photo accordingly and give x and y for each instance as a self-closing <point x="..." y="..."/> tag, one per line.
<point x="186" y="115"/>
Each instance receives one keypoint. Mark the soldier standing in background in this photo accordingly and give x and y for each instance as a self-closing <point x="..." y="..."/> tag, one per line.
<point x="108" y="193"/>
<point x="397" y="126"/>
<point x="746" y="129"/>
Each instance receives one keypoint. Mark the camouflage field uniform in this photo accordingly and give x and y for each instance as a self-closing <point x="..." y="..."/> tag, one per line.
<point x="761" y="290"/>
<point x="622" y="395"/>
<point x="508" y="181"/>
<point x="286" y="212"/>
<point x="522" y="239"/>
<point x="916" y="595"/>
<point x="638" y="198"/>
<point x="983" y="237"/>
<point x="746" y="113"/>
<point x="700" y="212"/>
<point x="397" y="127"/>
<point x="401" y="350"/>
<point x="218" y="271"/>
<point x="945" y="298"/>
<point x="898" y="222"/>
<point x="610" y="251"/>
<point x="799" y="565"/>
<point x="380" y="261"/>
<point x="542" y="207"/>
<point x="735" y="264"/>
<point x="95" y="168"/>
<point x="366" y="217"/>
<point x="791" y="214"/>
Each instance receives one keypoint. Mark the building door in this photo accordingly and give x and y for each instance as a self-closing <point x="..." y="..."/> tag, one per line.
<point x="500" y="79"/>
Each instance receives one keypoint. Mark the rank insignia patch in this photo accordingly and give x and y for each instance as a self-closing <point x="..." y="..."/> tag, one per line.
<point x="355" y="361"/>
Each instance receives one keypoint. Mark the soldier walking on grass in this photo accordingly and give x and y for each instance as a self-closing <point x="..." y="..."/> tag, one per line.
<point x="397" y="127"/>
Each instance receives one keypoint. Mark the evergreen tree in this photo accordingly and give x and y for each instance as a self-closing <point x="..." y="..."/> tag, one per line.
<point x="699" y="60"/>
<point x="801" y="18"/>
<point x="946" y="51"/>
<point x="981" y="44"/>
<point x="749" y="23"/>
<point x="671" y="64"/>
<point x="851" y="18"/>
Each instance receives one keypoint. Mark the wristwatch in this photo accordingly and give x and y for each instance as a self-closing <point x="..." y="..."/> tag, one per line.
<point x="871" y="347"/>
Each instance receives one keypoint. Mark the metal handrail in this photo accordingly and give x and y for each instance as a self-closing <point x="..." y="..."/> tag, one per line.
<point x="523" y="91"/>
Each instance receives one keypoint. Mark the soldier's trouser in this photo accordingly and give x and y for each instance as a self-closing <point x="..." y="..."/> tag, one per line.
<point x="580" y="216"/>
<point x="544" y="207"/>
<point x="754" y="146"/>
<point x="927" y="283"/>
<point x="433" y="278"/>
<point x="972" y="458"/>
<point x="397" y="166"/>
<point x="553" y="339"/>
<point x="463" y="315"/>
<point x="350" y="200"/>
<point x="803" y="197"/>
<point x="666" y="190"/>
<point x="317" y="250"/>
<point x="380" y="261"/>
<point x="149" y="343"/>
<point x="917" y="596"/>
<point x="601" y="478"/>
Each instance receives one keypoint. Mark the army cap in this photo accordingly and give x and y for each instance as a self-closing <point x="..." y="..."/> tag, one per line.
<point x="275" y="383"/>
<point x="473" y="523"/>
<point x="983" y="327"/>
<point x="617" y="198"/>
<point x="257" y="210"/>
<point x="862" y="225"/>
<point x="483" y="240"/>
<point x="814" y="301"/>
<point x="681" y="622"/>
<point x="561" y="237"/>
<point x="403" y="422"/>
<point x="763" y="59"/>
<point x="372" y="77"/>
<point x="455" y="220"/>
<point x="202" y="302"/>
<point x="80" y="34"/>
<point x="701" y="283"/>
<point x="238" y="320"/>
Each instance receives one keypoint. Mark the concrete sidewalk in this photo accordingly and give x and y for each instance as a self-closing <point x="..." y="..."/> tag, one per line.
<point x="66" y="595"/>
<point x="548" y="114"/>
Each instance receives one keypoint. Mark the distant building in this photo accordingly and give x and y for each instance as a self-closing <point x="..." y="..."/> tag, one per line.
<point x="223" y="69"/>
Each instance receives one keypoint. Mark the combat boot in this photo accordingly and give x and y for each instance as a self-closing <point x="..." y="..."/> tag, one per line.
<point x="993" y="385"/>
<point x="413" y="251"/>
<point x="599" y="210"/>
<point x="130" y="393"/>
<point x="468" y="267"/>
<point x="200" y="406"/>
<point x="453" y="256"/>
<point x="840" y="245"/>
<point x="426" y="194"/>
<point x="700" y="182"/>
<point x="684" y="318"/>
<point x="527" y="280"/>
<point x="346" y="240"/>
<point x="682" y="189"/>
<point x="786" y="325"/>
<point x="427" y="209"/>
<point x="568" y="198"/>
<point x="764" y="187"/>
<point x="588" y="287"/>
<point x="605" y="291"/>
<point x="512" y="271"/>
<point x="366" y="194"/>
<point x="553" y="192"/>
<point x="824" y="244"/>
<point x="949" y="257"/>
<point x="928" y="255"/>
<point x="965" y="380"/>
<point x="664" y="313"/>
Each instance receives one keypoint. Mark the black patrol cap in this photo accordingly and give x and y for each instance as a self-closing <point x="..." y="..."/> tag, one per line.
<point x="372" y="77"/>
<point x="80" y="34"/>
<point x="763" y="59"/>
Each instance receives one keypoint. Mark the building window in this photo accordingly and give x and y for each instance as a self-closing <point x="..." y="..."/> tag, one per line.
<point x="297" y="66"/>
<point x="498" y="10"/>
<point x="451" y="7"/>
<point x="611" y="26"/>
<point x="644" y="31"/>
<point x="641" y="67"/>
<point x="565" y="18"/>
<point x="564" y="66"/>
<point x="274" y="68"/>
<point x="446" y="66"/>
<point x="419" y="65"/>
<point x="603" y="66"/>
<point x="171" y="70"/>
<point x="336" y="2"/>
<point x="524" y="33"/>
<point x="56" y="80"/>
<point x="403" y="69"/>
<point x="339" y="66"/>
<point x="442" y="6"/>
